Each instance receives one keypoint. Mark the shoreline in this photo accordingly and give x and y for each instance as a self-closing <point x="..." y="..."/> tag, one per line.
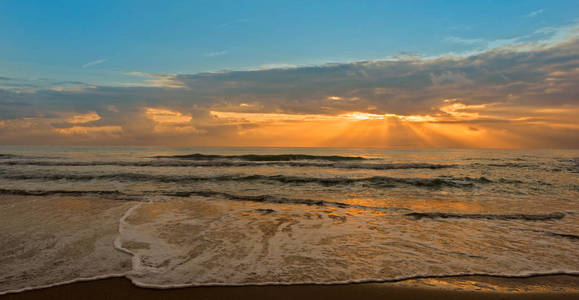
<point x="455" y="287"/>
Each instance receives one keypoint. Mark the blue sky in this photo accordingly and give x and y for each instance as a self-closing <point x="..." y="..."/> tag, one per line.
<point x="97" y="41"/>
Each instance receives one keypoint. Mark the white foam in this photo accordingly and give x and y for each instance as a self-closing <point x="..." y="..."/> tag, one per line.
<point x="53" y="241"/>
<point x="196" y="242"/>
<point x="202" y="243"/>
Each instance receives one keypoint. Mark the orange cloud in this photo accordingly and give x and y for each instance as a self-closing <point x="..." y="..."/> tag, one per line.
<point x="512" y="97"/>
<point x="84" y="130"/>
<point x="165" y="116"/>
<point x="170" y="122"/>
<point x="84" y="118"/>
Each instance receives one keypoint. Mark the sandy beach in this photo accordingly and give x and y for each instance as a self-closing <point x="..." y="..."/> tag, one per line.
<point x="466" y="287"/>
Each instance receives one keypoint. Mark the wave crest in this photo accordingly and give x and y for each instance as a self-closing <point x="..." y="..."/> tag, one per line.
<point x="524" y="217"/>
<point x="262" y="157"/>
<point x="374" y="181"/>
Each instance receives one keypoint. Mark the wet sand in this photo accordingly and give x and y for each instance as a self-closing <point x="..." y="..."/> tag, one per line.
<point x="465" y="287"/>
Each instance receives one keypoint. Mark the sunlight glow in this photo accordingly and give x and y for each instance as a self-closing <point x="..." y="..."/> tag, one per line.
<point x="361" y="129"/>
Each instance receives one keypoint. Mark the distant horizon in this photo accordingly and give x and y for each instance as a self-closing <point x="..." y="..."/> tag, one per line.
<point x="294" y="147"/>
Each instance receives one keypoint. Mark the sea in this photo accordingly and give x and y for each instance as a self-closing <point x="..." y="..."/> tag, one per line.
<point x="174" y="217"/>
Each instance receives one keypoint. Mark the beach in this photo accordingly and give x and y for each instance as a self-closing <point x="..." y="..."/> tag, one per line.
<point x="472" y="287"/>
<point x="165" y="223"/>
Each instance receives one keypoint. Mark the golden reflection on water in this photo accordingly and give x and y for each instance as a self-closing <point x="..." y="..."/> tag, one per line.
<point x="545" y="284"/>
<point x="440" y="205"/>
<point x="447" y="205"/>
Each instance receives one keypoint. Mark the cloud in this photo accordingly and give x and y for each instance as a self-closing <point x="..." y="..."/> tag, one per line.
<point x="80" y="83"/>
<point x="459" y="40"/>
<point x="157" y="80"/>
<point x="449" y="77"/>
<point x="535" y="13"/>
<point x="216" y="53"/>
<point x="171" y="122"/>
<point x="93" y="63"/>
<point x="86" y="131"/>
<point x="516" y="95"/>
<point x="30" y="84"/>
<point x="143" y="74"/>
<point x="337" y="98"/>
<point x="273" y="66"/>
<point x="166" y="116"/>
<point x="84" y="118"/>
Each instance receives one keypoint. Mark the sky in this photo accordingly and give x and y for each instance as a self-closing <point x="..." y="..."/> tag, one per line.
<point x="436" y="74"/>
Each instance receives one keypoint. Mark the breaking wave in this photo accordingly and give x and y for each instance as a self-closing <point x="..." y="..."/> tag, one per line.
<point x="374" y="181"/>
<point x="185" y="163"/>
<point x="105" y="194"/>
<point x="185" y="194"/>
<point x="284" y="200"/>
<point x="257" y="157"/>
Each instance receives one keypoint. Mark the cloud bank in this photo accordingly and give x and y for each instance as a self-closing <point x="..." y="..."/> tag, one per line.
<point x="518" y="96"/>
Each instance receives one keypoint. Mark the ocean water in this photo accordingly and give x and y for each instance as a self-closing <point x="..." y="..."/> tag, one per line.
<point x="171" y="217"/>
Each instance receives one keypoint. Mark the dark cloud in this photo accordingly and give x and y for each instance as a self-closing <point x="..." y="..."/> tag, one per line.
<point x="70" y="83"/>
<point x="403" y="87"/>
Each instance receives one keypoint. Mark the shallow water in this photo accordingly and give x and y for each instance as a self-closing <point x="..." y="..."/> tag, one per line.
<point x="231" y="216"/>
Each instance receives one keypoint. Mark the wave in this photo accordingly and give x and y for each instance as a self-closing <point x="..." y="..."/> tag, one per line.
<point x="374" y="181"/>
<point x="105" y="194"/>
<point x="278" y="200"/>
<point x="535" y="167"/>
<point x="10" y="161"/>
<point x="264" y="198"/>
<point x="507" y="165"/>
<point x="20" y="156"/>
<point x="524" y="217"/>
<point x="165" y="163"/>
<point x="521" y="274"/>
<point x="7" y="156"/>
<point x="185" y="194"/>
<point x="166" y="286"/>
<point x="554" y="234"/>
<point x="260" y="157"/>
<point x="562" y="235"/>
<point x="394" y="166"/>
